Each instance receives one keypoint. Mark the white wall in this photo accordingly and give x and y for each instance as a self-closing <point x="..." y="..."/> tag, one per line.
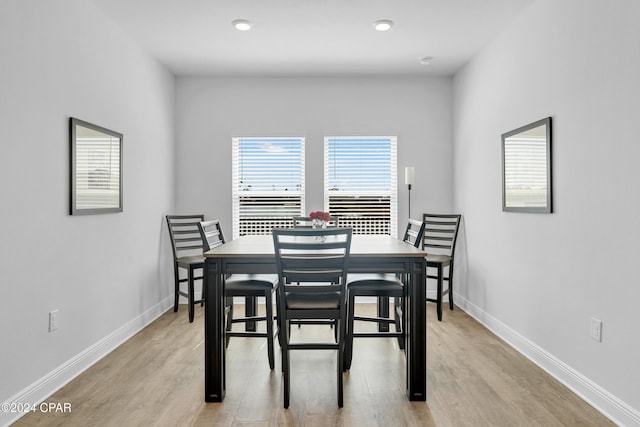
<point x="104" y="273"/>
<point x="210" y="111"/>
<point x="538" y="279"/>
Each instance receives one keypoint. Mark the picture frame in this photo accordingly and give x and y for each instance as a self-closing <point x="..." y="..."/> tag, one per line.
<point x="526" y="168"/>
<point x="95" y="169"/>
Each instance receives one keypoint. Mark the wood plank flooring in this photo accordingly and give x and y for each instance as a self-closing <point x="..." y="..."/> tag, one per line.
<point x="474" y="379"/>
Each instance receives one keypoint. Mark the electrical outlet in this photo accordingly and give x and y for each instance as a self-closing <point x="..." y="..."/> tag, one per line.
<point x="53" y="320"/>
<point x="596" y="329"/>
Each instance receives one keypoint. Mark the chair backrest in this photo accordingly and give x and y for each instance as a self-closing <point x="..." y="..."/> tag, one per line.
<point x="440" y="233"/>
<point x="184" y="233"/>
<point x="320" y="257"/>
<point x="211" y="234"/>
<point x="414" y="232"/>
<point x="307" y="222"/>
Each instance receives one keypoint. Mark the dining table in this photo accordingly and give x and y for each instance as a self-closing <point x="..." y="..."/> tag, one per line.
<point x="368" y="254"/>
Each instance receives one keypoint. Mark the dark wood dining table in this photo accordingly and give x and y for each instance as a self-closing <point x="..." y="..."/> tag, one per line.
<point x="369" y="254"/>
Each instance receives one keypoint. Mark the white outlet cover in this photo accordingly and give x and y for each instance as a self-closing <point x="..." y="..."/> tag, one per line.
<point x="53" y="320"/>
<point x="596" y="329"/>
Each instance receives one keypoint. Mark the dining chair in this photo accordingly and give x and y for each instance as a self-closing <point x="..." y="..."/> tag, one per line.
<point x="382" y="286"/>
<point x="317" y="260"/>
<point x="440" y="236"/>
<point x="186" y="244"/>
<point x="307" y="222"/>
<point x="243" y="285"/>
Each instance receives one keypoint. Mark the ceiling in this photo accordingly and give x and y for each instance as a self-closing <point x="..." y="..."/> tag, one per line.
<point x="312" y="37"/>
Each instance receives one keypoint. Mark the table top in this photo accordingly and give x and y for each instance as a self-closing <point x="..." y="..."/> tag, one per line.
<point x="361" y="245"/>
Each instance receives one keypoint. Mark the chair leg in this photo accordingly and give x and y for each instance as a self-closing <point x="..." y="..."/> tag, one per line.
<point x="349" y="325"/>
<point x="229" y="324"/>
<point x="191" y="299"/>
<point x="202" y="292"/>
<point x="176" y="277"/>
<point x="268" y="302"/>
<point x="285" y="361"/>
<point x="250" y="310"/>
<point x="439" y="293"/>
<point x="383" y="311"/>
<point x="450" y="280"/>
<point x="284" y="344"/>
<point x="397" y="312"/>
<point x="286" y="368"/>
<point x="283" y="330"/>
<point x="340" y="367"/>
<point x="403" y="319"/>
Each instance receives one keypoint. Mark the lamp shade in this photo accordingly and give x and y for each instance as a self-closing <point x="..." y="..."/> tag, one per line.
<point x="408" y="175"/>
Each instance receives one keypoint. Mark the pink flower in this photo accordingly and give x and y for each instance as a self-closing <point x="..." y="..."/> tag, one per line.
<point x="321" y="216"/>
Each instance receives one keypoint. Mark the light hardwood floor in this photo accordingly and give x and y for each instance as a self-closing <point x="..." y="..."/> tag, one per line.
<point x="474" y="379"/>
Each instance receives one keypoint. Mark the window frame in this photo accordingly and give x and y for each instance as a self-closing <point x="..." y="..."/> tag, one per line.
<point x="237" y="191"/>
<point x="392" y="193"/>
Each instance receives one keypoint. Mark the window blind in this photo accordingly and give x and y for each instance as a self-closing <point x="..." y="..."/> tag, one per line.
<point x="525" y="171"/>
<point x="268" y="183"/>
<point x="360" y="183"/>
<point x="97" y="172"/>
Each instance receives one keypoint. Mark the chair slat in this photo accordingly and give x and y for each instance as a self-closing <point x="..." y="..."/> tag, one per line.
<point x="438" y="246"/>
<point x="191" y="238"/>
<point x="439" y="230"/>
<point x="440" y="238"/>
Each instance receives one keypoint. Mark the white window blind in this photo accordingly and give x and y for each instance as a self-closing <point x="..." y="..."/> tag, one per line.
<point x="268" y="183"/>
<point x="525" y="171"/>
<point x="97" y="171"/>
<point x="360" y="183"/>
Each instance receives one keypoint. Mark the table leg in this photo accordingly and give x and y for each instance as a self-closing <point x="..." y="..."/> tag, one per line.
<point x="416" y="331"/>
<point x="214" y="334"/>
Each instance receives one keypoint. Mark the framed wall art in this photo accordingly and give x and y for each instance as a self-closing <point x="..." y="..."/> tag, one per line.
<point x="96" y="169"/>
<point x="526" y="168"/>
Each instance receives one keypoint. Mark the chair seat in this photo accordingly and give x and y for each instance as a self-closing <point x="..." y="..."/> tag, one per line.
<point x="359" y="279"/>
<point x="375" y="284"/>
<point x="249" y="282"/>
<point x="440" y="259"/>
<point x="189" y="260"/>
<point x="312" y="301"/>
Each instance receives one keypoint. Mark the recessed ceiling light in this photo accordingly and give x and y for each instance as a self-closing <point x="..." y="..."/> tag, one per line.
<point x="426" y="60"/>
<point x="241" y="25"/>
<point x="383" y="25"/>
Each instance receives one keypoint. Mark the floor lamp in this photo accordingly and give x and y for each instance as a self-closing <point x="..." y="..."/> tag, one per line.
<point x="408" y="180"/>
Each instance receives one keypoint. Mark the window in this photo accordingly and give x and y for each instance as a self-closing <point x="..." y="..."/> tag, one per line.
<point x="360" y="184"/>
<point x="268" y="183"/>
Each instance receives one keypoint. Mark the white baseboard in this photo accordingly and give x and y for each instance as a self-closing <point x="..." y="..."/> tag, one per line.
<point x="40" y="390"/>
<point x="613" y="408"/>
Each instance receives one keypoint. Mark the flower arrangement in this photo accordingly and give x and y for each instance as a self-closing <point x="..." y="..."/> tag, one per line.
<point x="320" y="216"/>
<point x="319" y="219"/>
